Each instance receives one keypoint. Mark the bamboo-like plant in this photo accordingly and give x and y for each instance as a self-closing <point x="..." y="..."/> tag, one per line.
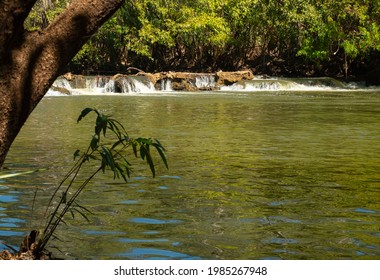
<point x="110" y="155"/>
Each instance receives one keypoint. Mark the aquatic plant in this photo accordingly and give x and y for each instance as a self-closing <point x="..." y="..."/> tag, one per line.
<point x="107" y="151"/>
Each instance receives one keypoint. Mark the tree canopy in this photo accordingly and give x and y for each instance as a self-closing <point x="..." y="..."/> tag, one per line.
<point x="291" y="36"/>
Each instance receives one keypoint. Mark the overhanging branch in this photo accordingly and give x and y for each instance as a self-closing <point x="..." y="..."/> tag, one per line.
<point x="12" y="16"/>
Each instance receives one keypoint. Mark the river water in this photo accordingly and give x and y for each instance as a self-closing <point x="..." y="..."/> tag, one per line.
<point x="252" y="175"/>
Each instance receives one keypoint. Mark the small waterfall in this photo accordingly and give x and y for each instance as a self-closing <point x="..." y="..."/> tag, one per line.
<point x="166" y="85"/>
<point x="322" y="83"/>
<point x="286" y="84"/>
<point x="62" y="83"/>
<point x="205" y="81"/>
<point x="129" y="84"/>
<point x="110" y="86"/>
<point x="60" y="86"/>
<point x="256" y="85"/>
<point x="78" y="84"/>
<point x="96" y="82"/>
<point x="136" y="84"/>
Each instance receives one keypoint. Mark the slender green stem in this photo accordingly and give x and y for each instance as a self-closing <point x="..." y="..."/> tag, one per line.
<point x="52" y="226"/>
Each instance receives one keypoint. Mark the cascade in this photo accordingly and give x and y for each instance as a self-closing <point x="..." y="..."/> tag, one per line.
<point x="323" y="82"/>
<point x="205" y="81"/>
<point x="60" y="87"/>
<point x="110" y="86"/>
<point x="104" y="84"/>
<point x="62" y="83"/>
<point x="286" y="84"/>
<point x="96" y="82"/>
<point x="135" y="84"/>
<point x="191" y="82"/>
<point x="166" y="85"/>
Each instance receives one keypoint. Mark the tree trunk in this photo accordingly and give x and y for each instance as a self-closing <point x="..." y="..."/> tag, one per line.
<point x="31" y="61"/>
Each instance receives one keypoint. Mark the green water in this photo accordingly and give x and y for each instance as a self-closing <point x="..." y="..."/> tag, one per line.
<point x="252" y="176"/>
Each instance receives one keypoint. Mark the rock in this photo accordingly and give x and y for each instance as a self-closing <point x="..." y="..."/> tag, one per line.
<point x="68" y="76"/>
<point x="229" y="78"/>
<point x="184" y="81"/>
<point x="183" y="85"/>
<point x="180" y="81"/>
<point x="61" y="90"/>
<point x="6" y="255"/>
<point x="153" y="77"/>
<point x="76" y="81"/>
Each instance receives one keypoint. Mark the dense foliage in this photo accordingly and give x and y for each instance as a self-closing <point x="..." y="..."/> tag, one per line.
<point x="290" y="36"/>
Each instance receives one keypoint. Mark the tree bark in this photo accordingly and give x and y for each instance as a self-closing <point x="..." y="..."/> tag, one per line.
<point x="31" y="61"/>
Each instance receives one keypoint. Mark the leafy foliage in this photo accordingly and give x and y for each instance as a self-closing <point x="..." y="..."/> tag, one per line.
<point x="227" y="34"/>
<point x="110" y="156"/>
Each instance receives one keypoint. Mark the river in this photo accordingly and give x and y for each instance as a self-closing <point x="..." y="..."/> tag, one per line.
<point x="252" y="175"/>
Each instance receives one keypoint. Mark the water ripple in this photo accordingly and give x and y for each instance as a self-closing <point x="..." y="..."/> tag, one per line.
<point x="8" y="198"/>
<point x="281" y="241"/>
<point x="132" y="240"/>
<point x="11" y="233"/>
<point x="153" y="221"/>
<point x="156" y="254"/>
<point x="366" y="211"/>
<point x="129" y="201"/>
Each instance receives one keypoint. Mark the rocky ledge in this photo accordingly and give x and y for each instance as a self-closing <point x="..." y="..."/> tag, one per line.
<point x="184" y="81"/>
<point x="179" y="81"/>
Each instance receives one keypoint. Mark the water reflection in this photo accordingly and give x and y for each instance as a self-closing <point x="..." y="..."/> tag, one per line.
<point x="155" y="254"/>
<point x="252" y="176"/>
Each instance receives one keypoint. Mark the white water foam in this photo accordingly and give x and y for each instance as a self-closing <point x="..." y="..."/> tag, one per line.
<point x="166" y="85"/>
<point x="132" y="85"/>
<point x="206" y="81"/>
<point x="287" y="84"/>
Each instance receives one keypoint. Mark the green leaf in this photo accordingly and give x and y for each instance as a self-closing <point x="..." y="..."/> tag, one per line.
<point x="151" y="165"/>
<point x="160" y="145"/>
<point x="84" y="113"/>
<point x="117" y="143"/>
<point x="160" y="150"/>
<point x="142" y="151"/>
<point x="121" y="172"/>
<point x="149" y="160"/>
<point x="109" y="160"/>
<point x="94" y="142"/>
<point x="101" y="124"/>
<point x="134" y="147"/>
<point x="146" y="141"/>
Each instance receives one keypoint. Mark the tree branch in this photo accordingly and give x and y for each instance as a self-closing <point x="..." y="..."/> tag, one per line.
<point x="12" y="16"/>
<point x="31" y="61"/>
<point x="44" y="54"/>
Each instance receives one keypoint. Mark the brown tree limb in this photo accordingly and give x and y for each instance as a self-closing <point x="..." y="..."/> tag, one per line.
<point x="12" y="16"/>
<point x="31" y="61"/>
